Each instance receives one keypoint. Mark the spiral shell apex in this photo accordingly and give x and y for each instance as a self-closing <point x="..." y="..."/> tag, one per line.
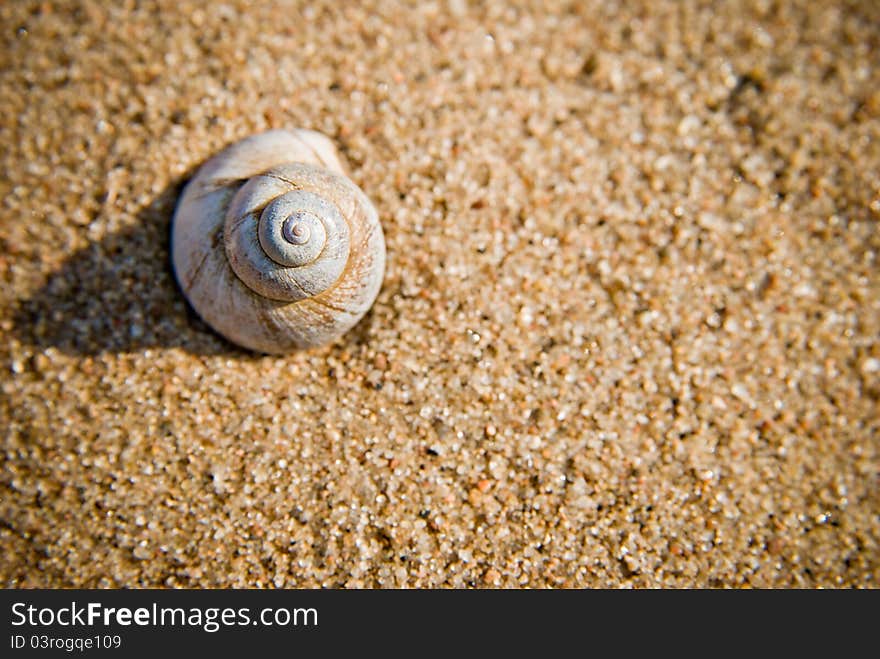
<point x="274" y="247"/>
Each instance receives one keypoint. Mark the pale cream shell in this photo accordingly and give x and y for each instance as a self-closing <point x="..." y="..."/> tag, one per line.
<point x="200" y="259"/>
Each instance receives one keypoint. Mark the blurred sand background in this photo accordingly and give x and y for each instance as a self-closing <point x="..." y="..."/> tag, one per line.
<point x="628" y="334"/>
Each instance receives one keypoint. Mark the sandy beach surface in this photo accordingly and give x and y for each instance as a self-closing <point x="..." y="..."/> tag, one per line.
<point x="628" y="336"/>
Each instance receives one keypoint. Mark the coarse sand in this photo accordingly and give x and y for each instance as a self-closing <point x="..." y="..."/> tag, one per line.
<point x="629" y="333"/>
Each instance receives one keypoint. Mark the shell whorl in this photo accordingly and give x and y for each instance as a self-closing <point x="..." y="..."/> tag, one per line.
<point x="274" y="246"/>
<point x="284" y="242"/>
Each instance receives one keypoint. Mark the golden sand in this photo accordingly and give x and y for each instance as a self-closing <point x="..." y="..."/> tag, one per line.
<point x="629" y="333"/>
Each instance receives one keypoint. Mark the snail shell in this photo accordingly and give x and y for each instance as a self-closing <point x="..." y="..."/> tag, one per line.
<point x="274" y="247"/>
